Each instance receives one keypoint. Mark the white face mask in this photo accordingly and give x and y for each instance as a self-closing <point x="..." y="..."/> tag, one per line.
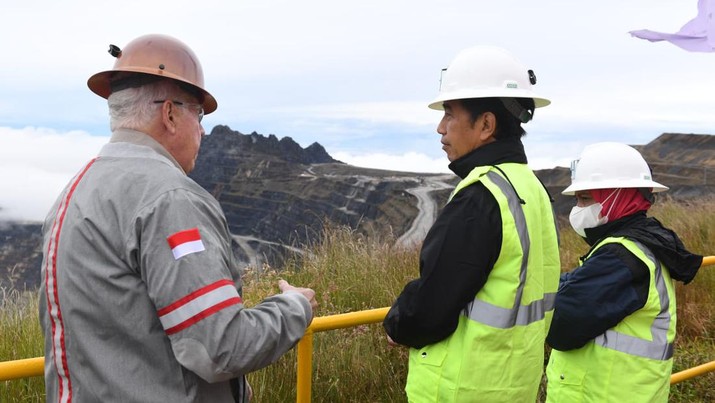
<point x="590" y="216"/>
<point x="586" y="217"/>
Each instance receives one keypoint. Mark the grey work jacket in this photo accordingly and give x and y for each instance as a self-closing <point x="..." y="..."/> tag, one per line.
<point x="140" y="298"/>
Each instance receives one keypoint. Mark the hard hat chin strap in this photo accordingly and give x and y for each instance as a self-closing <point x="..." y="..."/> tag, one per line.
<point x="517" y="110"/>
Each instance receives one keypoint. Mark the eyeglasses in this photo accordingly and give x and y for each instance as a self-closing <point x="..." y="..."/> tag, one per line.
<point x="186" y="104"/>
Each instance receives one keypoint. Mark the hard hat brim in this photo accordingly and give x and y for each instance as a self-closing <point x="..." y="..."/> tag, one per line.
<point x="436" y="104"/>
<point x="100" y="84"/>
<point x="591" y="185"/>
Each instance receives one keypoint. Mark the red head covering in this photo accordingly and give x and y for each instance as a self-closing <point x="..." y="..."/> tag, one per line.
<point x="625" y="201"/>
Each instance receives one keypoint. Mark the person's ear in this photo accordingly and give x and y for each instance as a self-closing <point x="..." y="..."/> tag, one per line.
<point x="487" y="126"/>
<point x="168" y="116"/>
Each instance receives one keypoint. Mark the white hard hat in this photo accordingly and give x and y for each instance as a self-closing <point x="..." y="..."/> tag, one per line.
<point x="610" y="165"/>
<point x="486" y="72"/>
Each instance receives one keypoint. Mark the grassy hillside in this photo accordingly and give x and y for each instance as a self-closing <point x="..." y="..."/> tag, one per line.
<point x="352" y="272"/>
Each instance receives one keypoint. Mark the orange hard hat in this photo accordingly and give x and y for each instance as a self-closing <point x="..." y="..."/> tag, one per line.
<point x="149" y="56"/>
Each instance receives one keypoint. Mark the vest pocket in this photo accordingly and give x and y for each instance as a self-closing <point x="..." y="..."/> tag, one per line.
<point x="426" y="380"/>
<point x="432" y="354"/>
<point x="565" y="381"/>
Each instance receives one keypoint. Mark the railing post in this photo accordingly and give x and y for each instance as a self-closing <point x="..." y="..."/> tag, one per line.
<point x="305" y="367"/>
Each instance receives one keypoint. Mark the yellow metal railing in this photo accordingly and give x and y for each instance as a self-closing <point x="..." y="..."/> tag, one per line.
<point x="692" y="372"/>
<point x="30" y="367"/>
<point x="26" y="368"/>
<point x="321" y="324"/>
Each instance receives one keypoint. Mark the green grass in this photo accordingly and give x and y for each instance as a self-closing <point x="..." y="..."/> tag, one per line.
<point x="352" y="271"/>
<point x="20" y="338"/>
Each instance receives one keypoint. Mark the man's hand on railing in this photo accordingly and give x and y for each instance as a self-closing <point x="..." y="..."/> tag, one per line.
<point x="307" y="292"/>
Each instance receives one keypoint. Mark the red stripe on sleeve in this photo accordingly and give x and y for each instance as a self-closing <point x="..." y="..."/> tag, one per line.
<point x="201" y="291"/>
<point x="203" y="314"/>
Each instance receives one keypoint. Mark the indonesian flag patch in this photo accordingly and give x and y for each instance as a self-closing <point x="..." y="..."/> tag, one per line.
<point x="185" y="242"/>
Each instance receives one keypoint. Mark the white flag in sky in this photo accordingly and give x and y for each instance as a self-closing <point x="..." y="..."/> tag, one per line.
<point x="698" y="35"/>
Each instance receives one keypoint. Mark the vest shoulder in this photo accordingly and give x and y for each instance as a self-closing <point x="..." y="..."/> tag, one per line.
<point x="619" y="252"/>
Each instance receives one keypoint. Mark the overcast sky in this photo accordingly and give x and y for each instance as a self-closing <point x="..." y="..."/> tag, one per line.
<point x="355" y="76"/>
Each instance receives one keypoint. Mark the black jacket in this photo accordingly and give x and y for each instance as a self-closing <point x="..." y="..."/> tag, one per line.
<point x="457" y="255"/>
<point x="613" y="283"/>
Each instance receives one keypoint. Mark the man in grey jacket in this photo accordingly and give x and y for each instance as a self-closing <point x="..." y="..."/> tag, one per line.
<point x="140" y="296"/>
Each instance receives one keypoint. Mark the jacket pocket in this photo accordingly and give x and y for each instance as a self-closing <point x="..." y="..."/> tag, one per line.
<point x="432" y="354"/>
<point x="564" y="381"/>
<point x="425" y="378"/>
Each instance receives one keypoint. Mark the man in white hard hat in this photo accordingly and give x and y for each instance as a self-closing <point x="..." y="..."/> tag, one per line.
<point x="141" y="295"/>
<point x="477" y="316"/>
<point x="614" y="319"/>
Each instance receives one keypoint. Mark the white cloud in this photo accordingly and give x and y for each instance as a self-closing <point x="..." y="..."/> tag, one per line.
<point x="548" y="154"/>
<point x="390" y="112"/>
<point x="407" y="162"/>
<point x="35" y="165"/>
<point x="347" y="75"/>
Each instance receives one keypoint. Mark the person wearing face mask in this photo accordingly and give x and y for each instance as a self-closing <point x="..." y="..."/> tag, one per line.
<point x="615" y="315"/>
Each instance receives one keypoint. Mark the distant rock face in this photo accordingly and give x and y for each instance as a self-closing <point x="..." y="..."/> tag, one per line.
<point x="20" y="255"/>
<point x="277" y="195"/>
<point x="222" y="138"/>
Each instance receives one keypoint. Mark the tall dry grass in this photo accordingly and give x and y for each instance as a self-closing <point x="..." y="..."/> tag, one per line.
<point x="351" y="272"/>
<point x="20" y="337"/>
<point x="695" y="343"/>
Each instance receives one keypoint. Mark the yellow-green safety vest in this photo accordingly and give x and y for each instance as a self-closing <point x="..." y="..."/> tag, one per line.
<point x="630" y="362"/>
<point x="496" y="354"/>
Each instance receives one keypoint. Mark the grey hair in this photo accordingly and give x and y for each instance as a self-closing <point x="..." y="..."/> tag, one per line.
<point x="134" y="108"/>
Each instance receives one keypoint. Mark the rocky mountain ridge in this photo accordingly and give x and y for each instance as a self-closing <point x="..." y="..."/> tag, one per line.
<point x="277" y="195"/>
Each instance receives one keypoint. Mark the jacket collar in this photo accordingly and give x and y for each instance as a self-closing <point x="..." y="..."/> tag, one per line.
<point x="498" y="152"/>
<point x="663" y="242"/>
<point x="142" y="139"/>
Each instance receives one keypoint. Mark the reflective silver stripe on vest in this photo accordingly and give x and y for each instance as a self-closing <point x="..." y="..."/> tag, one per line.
<point x="519" y="315"/>
<point x="659" y="348"/>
